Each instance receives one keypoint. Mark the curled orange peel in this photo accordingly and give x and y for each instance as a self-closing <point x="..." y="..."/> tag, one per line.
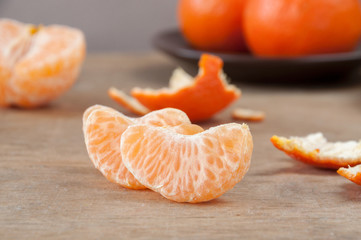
<point x="315" y="150"/>
<point x="200" y="98"/>
<point x="351" y="173"/>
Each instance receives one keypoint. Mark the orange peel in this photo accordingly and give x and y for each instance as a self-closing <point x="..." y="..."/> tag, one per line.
<point x="248" y="115"/>
<point x="200" y="97"/>
<point x="315" y="150"/>
<point x="128" y="102"/>
<point x="351" y="173"/>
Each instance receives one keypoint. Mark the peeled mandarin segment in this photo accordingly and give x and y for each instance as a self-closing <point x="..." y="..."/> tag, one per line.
<point x="49" y="68"/>
<point x="188" y="168"/>
<point x="91" y="109"/>
<point x="37" y="64"/>
<point x="14" y="40"/>
<point x="351" y="173"/>
<point x="248" y="115"/>
<point x="200" y="99"/>
<point x="103" y="128"/>
<point x="127" y="102"/>
<point x="315" y="150"/>
<point x="188" y="129"/>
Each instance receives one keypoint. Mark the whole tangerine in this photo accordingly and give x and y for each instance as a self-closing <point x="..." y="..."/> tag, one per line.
<point x="212" y="24"/>
<point x="289" y="28"/>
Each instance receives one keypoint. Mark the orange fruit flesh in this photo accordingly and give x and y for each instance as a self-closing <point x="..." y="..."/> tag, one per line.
<point x="183" y="168"/>
<point x="351" y="173"/>
<point x="102" y="131"/>
<point x="41" y="64"/>
<point x="103" y="128"/>
<point x="13" y="39"/>
<point x="315" y="150"/>
<point x="199" y="98"/>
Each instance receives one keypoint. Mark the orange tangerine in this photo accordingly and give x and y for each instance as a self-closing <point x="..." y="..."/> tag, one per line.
<point x="37" y="64"/>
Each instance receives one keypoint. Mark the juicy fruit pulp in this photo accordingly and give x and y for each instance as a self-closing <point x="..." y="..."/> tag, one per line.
<point x="163" y="151"/>
<point x="192" y="168"/>
<point x="37" y="64"/>
<point x="103" y="128"/>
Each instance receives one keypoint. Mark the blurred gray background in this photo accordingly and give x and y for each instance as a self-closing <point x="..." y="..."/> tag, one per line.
<point x="109" y="25"/>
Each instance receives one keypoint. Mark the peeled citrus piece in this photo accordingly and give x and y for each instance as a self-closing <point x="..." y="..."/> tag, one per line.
<point x="351" y="173"/>
<point x="248" y="115"/>
<point x="188" y="168"/>
<point x="38" y="64"/>
<point x="103" y="128"/>
<point x="14" y="41"/>
<point x="102" y="131"/>
<point x="315" y="150"/>
<point x="200" y="97"/>
<point x="127" y="102"/>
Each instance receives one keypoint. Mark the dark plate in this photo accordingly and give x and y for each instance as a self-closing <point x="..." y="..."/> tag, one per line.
<point x="245" y="67"/>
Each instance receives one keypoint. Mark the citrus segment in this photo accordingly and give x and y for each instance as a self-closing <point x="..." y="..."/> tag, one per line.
<point x="315" y="150"/>
<point x="127" y="102"/>
<point x="102" y="131"/>
<point x="187" y="129"/>
<point x="14" y="40"/>
<point x="188" y="168"/>
<point x="351" y="173"/>
<point x="41" y="63"/>
<point x="103" y="128"/>
<point x="200" y="98"/>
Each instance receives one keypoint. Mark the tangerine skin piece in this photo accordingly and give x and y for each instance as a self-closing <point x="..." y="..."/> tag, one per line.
<point x="351" y="173"/>
<point x="128" y="102"/>
<point x="248" y="115"/>
<point x="314" y="157"/>
<point x="207" y="95"/>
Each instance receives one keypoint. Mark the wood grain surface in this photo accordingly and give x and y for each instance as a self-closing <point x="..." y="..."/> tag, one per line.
<point x="50" y="190"/>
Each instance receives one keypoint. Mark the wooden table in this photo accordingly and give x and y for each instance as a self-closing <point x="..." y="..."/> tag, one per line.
<point x="50" y="190"/>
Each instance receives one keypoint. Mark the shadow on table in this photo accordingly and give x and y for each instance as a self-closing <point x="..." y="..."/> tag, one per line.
<point x="301" y="169"/>
<point x="351" y="191"/>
